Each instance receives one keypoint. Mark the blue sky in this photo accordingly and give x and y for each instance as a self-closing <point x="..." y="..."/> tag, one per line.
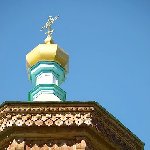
<point x="109" y="47"/>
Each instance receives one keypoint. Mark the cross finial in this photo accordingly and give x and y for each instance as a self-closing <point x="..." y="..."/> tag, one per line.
<point x="48" y="25"/>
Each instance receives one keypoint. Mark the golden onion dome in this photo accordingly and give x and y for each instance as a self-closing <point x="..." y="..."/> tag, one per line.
<point x="47" y="52"/>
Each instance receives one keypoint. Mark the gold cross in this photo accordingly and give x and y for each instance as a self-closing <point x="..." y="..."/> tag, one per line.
<point x="48" y="25"/>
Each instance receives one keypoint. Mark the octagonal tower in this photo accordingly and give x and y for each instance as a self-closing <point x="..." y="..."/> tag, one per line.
<point x="47" y="65"/>
<point x="54" y="125"/>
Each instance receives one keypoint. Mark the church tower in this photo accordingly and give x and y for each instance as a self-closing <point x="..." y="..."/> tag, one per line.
<point x="47" y="66"/>
<point x="48" y="122"/>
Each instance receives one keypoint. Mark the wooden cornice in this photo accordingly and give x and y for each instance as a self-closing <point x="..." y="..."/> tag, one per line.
<point x="88" y="120"/>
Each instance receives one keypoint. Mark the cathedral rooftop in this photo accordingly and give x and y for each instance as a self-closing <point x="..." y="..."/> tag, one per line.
<point x="88" y="119"/>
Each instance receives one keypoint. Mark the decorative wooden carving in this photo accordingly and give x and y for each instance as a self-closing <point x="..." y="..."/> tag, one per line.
<point x="22" y="146"/>
<point x="87" y="116"/>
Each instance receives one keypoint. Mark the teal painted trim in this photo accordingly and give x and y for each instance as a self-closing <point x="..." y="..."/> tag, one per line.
<point x="46" y="62"/>
<point x="34" y="76"/>
<point x="59" y="75"/>
<point x="56" y="69"/>
<point x="56" y="91"/>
